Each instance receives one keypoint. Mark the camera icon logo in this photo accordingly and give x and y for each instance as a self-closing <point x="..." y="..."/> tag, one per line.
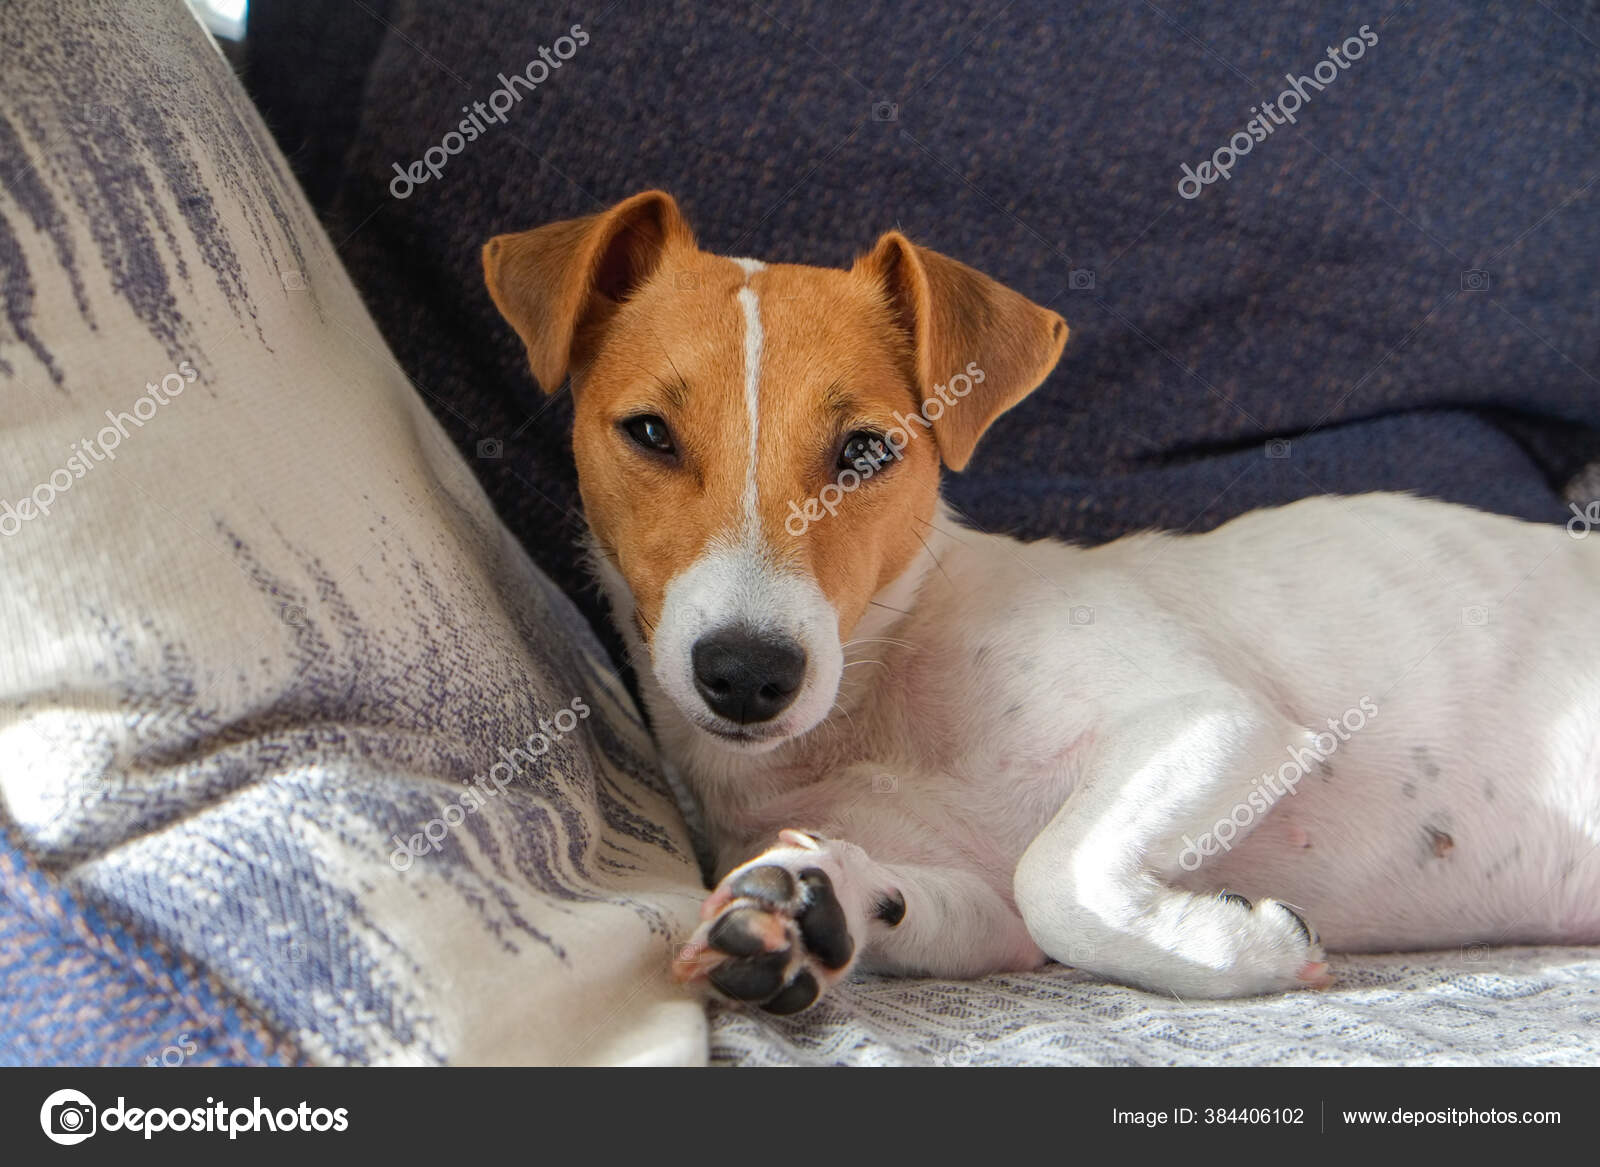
<point x="686" y="281"/>
<point x="491" y="448"/>
<point x="68" y="1117"/>
<point x="966" y="1054"/>
<point x="1081" y="279"/>
<point x="293" y="281"/>
<point x="885" y="111"/>
<point x="1475" y="616"/>
<point x="885" y="784"/>
<point x="1082" y="615"/>
<point x="1278" y="448"/>
<point x="1475" y="280"/>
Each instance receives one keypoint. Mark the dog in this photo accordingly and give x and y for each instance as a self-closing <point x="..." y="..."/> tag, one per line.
<point x="1188" y="763"/>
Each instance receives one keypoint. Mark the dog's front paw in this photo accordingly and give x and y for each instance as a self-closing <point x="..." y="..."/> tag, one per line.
<point x="774" y="932"/>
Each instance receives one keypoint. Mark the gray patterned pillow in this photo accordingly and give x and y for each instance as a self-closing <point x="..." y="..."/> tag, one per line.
<point x="275" y="684"/>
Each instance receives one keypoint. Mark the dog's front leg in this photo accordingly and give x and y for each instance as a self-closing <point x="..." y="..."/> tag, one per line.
<point x="1094" y="887"/>
<point x="785" y="927"/>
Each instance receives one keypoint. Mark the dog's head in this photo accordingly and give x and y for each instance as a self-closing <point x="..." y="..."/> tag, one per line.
<point x="758" y="447"/>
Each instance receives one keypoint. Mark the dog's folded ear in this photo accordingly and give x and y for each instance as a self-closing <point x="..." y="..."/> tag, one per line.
<point x="558" y="284"/>
<point x="956" y="317"/>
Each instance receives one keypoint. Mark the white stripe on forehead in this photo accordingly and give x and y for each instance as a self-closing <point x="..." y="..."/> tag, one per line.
<point x="739" y="580"/>
<point x="752" y="392"/>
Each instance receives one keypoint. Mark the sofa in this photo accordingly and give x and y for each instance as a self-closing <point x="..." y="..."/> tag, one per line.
<point x="316" y="745"/>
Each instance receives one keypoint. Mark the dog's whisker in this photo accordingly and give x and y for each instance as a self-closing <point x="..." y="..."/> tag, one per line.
<point x="866" y="661"/>
<point x="952" y="536"/>
<point x="666" y="353"/>
<point x="877" y="640"/>
<point x="932" y="556"/>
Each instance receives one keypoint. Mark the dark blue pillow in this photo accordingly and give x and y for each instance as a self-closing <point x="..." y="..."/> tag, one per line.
<point x="1394" y="290"/>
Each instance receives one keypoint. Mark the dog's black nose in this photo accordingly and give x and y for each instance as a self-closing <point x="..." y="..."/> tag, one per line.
<point x="746" y="675"/>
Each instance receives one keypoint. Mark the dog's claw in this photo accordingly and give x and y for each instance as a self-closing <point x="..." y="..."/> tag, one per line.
<point x="799" y="839"/>
<point x="1314" y="974"/>
<point x="1311" y="937"/>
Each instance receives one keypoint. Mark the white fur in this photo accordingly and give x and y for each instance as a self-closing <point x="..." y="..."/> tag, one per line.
<point x="1026" y="752"/>
<point x="734" y="582"/>
<point x="752" y="408"/>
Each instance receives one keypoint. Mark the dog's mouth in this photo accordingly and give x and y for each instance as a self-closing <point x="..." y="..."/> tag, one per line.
<point x="755" y="738"/>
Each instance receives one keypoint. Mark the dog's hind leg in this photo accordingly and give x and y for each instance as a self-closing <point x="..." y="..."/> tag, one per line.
<point x="1179" y="782"/>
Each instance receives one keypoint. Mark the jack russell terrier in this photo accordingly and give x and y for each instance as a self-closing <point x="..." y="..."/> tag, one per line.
<point x="1187" y="763"/>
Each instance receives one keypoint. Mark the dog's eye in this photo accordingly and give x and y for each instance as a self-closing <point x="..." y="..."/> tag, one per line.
<point x="651" y="433"/>
<point x="865" y="452"/>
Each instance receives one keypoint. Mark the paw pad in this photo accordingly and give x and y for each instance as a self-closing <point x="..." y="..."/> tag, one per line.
<point x="822" y="922"/>
<point x="798" y="994"/>
<point x="769" y="884"/>
<point x="753" y="978"/>
<point x="776" y="938"/>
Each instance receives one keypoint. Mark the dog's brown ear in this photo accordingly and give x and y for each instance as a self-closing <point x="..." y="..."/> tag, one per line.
<point x="557" y="284"/>
<point x="956" y="316"/>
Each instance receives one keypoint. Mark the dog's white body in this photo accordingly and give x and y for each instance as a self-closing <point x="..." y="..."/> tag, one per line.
<point x="1031" y="739"/>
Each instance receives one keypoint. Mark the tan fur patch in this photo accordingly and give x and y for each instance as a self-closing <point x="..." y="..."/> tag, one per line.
<point x="676" y="350"/>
